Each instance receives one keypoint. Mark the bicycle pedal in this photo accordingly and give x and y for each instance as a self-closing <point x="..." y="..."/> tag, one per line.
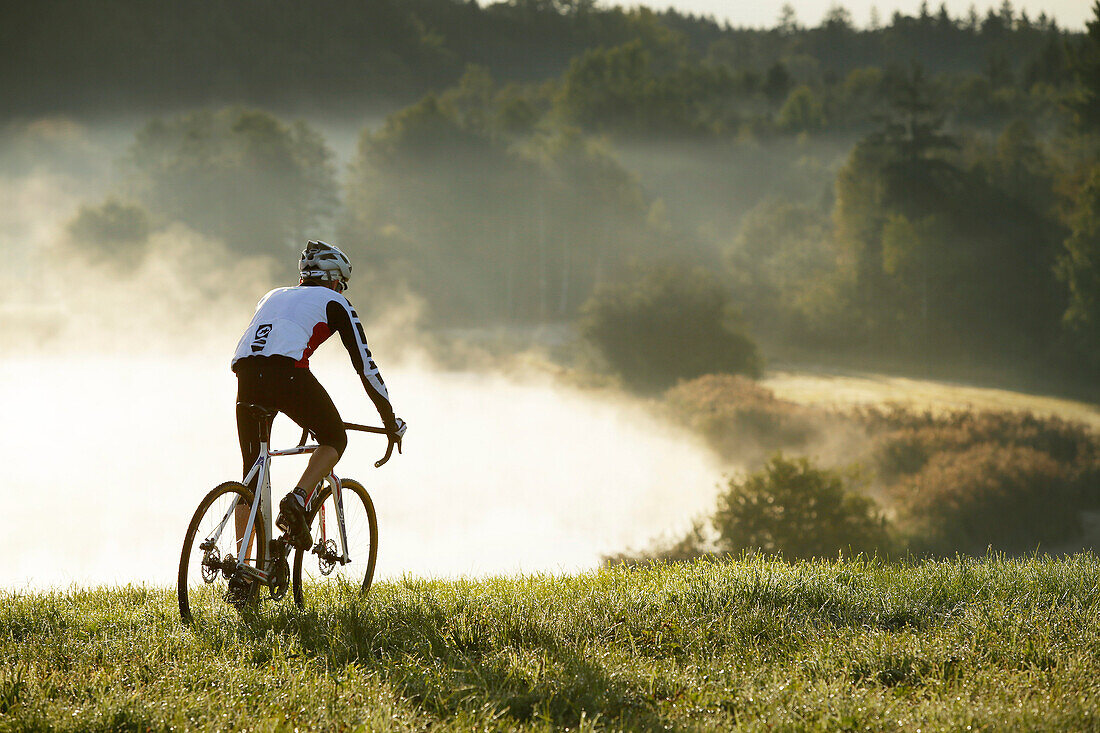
<point x="279" y="581"/>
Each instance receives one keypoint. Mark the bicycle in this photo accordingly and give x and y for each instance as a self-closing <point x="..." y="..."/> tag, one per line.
<point x="225" y="571"/>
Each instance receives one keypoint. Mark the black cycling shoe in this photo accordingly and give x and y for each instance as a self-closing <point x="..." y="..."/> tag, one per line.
<point x="292" y="520"/>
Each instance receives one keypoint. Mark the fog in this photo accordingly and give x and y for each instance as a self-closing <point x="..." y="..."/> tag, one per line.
<point x="119" y="416"/>
<point x="485" y="214"/>
<point x="107" y="456"/>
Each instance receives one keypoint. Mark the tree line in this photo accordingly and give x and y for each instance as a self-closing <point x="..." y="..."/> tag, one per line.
<point x="931" y="213"/>
<point x="350" y="55"/>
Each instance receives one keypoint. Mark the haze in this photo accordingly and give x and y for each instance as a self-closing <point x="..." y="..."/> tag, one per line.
<point x="1070" y="14"/>
<point x="548" y="237"/>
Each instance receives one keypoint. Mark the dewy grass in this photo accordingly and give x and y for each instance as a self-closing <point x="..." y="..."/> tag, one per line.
<point x="746" y="644"/>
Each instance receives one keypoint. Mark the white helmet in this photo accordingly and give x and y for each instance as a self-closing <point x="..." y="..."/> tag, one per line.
<point x="322" y="261"/>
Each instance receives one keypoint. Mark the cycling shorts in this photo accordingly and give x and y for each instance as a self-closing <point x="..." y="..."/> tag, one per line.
<point x="274" y="382"/>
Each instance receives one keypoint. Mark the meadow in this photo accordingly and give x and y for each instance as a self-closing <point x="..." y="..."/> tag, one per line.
<point x="743" y="644"/>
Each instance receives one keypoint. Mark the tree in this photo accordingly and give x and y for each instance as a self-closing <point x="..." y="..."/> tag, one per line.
<point x="837" y="22"/>
<point x="802" y="112"/>
<point x="237" y="174"/>
<point x="946" y="260"/>
<point x="608" y="87"/>
<point x="788" y="20"/>
<point x="777" y="81"/>
<point x="667" y="324"/>
<point x="896" y="170"/>
<point x="803" y="512"/>
<point x="620" y="89"/>
<point x="1022" y="169"/>
<point x="1086" y="68"/>
<point x="779" y="261"/>
<point x="1079" y="267"/>
<point x="116" y="230"/>
<point x="488" y="220"/>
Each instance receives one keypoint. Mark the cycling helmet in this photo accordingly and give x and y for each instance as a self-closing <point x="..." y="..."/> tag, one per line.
<point x="322" y="261"/>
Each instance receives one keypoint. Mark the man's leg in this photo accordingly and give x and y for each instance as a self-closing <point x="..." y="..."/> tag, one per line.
<point x="248" y="433"/>
<point x="320" y="465"/>
<point x="308" y="404"/>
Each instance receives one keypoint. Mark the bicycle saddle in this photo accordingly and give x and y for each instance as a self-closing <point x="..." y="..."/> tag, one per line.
<point x="259" y="411"/>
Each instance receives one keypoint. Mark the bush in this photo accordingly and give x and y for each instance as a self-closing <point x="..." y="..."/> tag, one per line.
<point x="1009" y="498"/>
<point x="907" y="441"/>
<point x="790" y="507"/>
<point x="670" y="323"/>
<point x="957" y="482"/>
<point x="742" y="420"/>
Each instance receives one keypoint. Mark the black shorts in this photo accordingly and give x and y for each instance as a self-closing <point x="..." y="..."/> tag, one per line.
<point x="274" y="382"/>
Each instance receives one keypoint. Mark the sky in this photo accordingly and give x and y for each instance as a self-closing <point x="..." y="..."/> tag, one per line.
<point x="1070" y="14"/>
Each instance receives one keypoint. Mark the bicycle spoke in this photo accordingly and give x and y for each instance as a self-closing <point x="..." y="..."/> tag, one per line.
<point x="211" y="554"/>
<point x="325" y="561"/>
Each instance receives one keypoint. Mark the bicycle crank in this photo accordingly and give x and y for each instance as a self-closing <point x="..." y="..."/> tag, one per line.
<point x="279" y="580"/>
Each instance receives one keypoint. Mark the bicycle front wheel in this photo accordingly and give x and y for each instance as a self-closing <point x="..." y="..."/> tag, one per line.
<point x="324" y="561"/>
<point x="211" y="550"/>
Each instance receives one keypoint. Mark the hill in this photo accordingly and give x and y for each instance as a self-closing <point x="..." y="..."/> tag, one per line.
<point x="748" y="644"/>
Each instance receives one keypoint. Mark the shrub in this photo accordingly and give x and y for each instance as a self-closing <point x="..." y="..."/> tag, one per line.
<point x="907" y="441"/>
<point x="801" y="511"/>
<point x="670" y="323"/>
<point x="957" y="482"/>
<point x="1009" y="497"/>
<point x="742" y="420"/>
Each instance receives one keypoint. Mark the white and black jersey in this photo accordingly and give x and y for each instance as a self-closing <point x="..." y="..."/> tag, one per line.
<point x="292" y="322"/>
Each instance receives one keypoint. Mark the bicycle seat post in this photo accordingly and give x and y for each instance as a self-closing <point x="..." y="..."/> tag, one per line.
<point x="264" y="416"/>
<point x="265" y="428"/>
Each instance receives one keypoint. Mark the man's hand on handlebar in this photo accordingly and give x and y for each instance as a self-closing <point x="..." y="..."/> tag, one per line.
<point x="396" y="432"/>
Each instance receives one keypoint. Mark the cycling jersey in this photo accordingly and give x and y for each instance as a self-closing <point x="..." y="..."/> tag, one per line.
<point x="292" y="322"/>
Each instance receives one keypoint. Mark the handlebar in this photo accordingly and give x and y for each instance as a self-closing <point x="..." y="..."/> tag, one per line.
<point x="366" y="429"/>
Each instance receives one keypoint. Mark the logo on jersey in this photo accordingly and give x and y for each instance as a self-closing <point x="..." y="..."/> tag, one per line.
<point x="260" y="341"/>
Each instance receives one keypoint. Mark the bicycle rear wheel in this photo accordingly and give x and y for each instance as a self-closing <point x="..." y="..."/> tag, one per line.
<point x="321" y="563"/>
<point x="210" y="553"/>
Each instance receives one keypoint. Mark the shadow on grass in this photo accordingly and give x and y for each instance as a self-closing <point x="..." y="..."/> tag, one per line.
<point x="521" y="672"/>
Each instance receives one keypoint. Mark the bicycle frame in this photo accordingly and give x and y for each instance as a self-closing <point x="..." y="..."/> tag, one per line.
<point x="261" y="472"/>
<point x="260" y="477"/>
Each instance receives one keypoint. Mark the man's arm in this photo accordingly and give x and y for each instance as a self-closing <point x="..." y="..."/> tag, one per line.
<point x="345" y="321"/>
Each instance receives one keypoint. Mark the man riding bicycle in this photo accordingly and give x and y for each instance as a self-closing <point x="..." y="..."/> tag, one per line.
<point x="272" y="368"/>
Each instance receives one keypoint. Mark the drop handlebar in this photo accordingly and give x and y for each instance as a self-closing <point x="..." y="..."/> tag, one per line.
<point x="366" y="429"/>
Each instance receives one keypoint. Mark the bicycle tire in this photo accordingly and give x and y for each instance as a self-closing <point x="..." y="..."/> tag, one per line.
<point x="361" y="524"/>
<point x="209" y="594"/>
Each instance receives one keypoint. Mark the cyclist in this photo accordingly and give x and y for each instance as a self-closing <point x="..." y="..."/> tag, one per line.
<point x="272" y="368"/>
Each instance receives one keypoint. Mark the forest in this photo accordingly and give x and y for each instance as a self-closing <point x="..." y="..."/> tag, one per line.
<point x="591" y="245"/>
<point x="921" y="195"/>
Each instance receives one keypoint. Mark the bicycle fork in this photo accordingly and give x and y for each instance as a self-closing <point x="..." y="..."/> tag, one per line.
<point x="321" y="546"/>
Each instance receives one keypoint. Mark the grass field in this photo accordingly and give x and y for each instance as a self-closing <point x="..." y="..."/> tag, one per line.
<point x="846" y="389"/>
<point x="753" y="644"/>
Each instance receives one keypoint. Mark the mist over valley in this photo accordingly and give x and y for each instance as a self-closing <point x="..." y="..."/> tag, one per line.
<point x="609" y="275"/>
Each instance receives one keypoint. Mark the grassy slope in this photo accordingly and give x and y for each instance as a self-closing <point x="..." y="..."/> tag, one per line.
<point x="755" y="643"/>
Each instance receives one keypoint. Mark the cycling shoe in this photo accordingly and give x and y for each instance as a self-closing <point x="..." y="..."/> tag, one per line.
<point x="292" y="520"/>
